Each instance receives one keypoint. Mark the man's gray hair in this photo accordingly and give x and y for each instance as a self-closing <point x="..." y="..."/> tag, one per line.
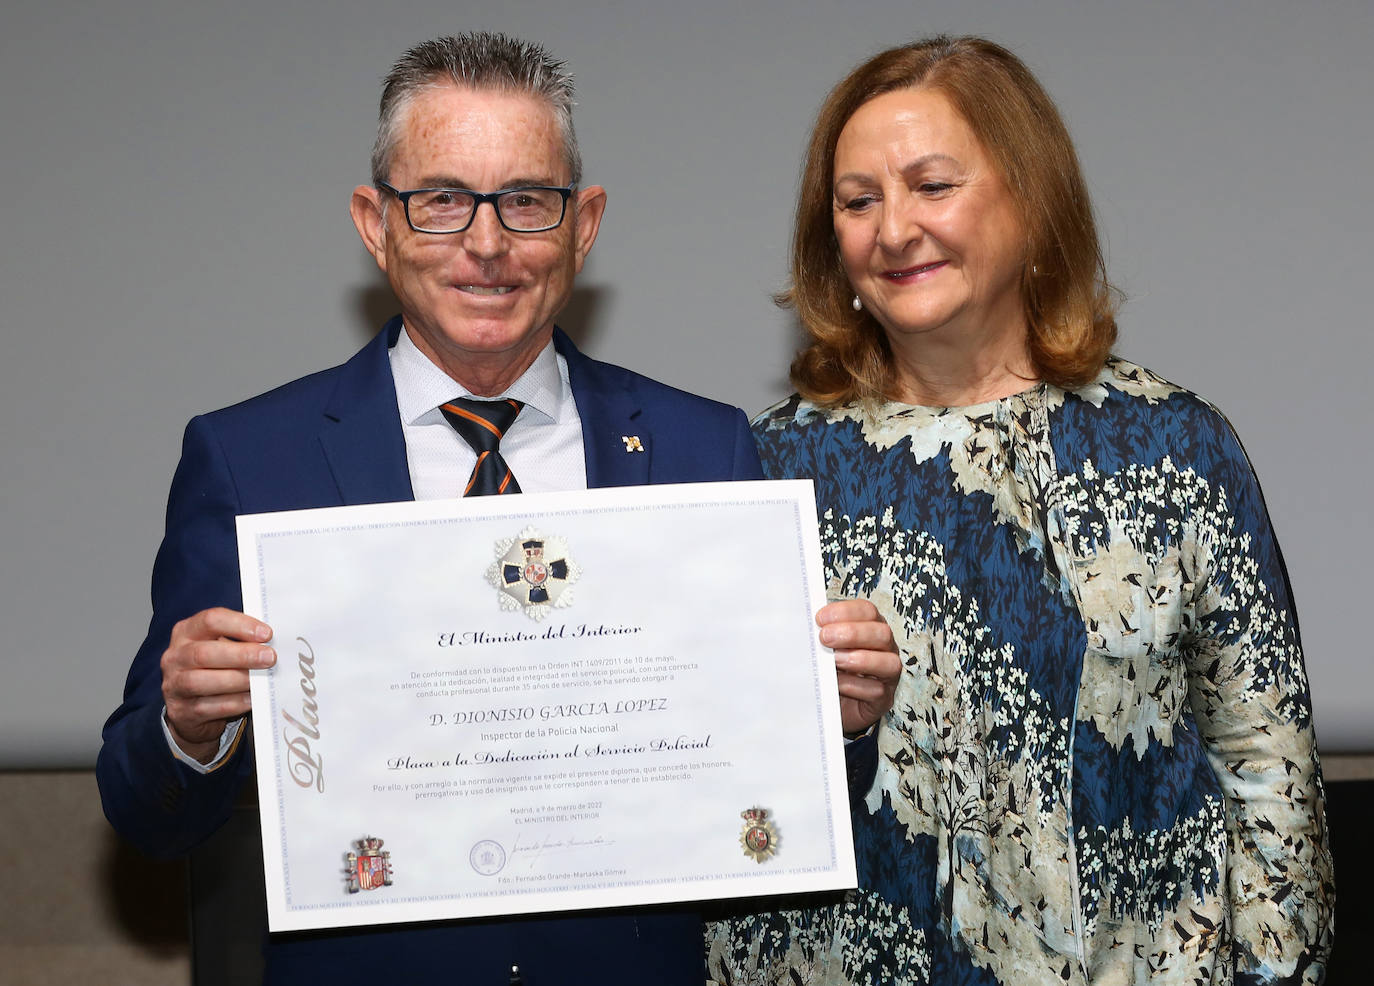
<point x="479" y="60"/>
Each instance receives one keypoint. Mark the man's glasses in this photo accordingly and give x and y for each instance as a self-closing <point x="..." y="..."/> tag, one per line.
<point x="527" y="209"/>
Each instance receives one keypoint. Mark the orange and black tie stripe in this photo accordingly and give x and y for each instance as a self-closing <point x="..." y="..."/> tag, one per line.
<point x="483" y="424"/>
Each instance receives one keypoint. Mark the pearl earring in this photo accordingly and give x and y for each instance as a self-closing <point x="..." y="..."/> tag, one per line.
<point x="858" y="305"/>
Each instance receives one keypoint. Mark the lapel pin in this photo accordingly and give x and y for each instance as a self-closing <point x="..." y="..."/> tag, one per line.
<point x="632" y="443"/>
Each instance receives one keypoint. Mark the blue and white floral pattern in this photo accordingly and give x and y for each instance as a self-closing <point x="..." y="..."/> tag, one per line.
<point x="1099" y="767"/>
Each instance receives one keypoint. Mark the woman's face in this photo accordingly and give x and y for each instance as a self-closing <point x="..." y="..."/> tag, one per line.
<point x="928" y="233"/>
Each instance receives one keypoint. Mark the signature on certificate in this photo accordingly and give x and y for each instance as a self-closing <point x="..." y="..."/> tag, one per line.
<point x="533" y="849"/>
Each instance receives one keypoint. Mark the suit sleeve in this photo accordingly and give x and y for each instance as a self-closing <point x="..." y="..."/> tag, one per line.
<point x="1249" y="693"/>
<point x="861" y="767"/>
<point x="746" y="455"/>
<point x="153" y="800"/>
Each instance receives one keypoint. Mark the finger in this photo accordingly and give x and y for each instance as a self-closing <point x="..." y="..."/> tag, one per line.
<point x="218" y="654"/>
<point x="882" y="664"/>
<point x="199" y="701"/>
<point x="847" y="611"/>
<point x="856" y="716"/>
<point x="851" y="635"/>
<point x="197" y="683"/>
<point x="194" y="698"/>
<point x="190" y="717"/>
<point x="862" y="687"/>
<point x="211" y="624"/>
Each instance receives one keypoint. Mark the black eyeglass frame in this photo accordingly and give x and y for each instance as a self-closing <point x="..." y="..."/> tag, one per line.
<point x="564" y="191"/>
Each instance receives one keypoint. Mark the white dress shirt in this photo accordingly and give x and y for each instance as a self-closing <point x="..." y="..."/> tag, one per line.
<point x="543" y="447"/>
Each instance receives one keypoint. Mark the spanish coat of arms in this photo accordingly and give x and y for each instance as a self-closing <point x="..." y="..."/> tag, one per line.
<point x="368" y="866"/>
<point x="533" y="572"/>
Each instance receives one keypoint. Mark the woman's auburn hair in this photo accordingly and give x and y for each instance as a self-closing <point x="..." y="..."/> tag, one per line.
<point x="1070" y="306"/>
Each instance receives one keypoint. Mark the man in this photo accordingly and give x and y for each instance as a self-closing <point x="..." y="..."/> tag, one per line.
<point x="477" y="217"/>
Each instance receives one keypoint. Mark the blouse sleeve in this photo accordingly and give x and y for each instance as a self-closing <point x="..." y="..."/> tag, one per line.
<point x="1249" y="694"/>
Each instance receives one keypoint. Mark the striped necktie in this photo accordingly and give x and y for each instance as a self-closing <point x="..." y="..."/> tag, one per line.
<point x="482" y="424"/>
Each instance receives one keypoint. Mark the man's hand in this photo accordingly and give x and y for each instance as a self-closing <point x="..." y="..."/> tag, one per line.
<point x="205" y="676"/>
<point x="865" y="658"/>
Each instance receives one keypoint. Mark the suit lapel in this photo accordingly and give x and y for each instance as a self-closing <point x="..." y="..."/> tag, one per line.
<point x="365" y="448"/>
<point x="362" y="436"/>
<point x="612" y="418"/>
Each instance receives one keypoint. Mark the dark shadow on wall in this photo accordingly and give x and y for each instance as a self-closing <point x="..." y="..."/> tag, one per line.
<point x="146" y="897"/>
<point x="581" y="318"/>
<point x="374" y="305"/>
<point x="228" y="902"/>
<point x="797" y="340"/>
<point x="1349" y="807"/>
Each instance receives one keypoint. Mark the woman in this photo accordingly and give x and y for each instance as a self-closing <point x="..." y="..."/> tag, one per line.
<point x="1099" y="767"/>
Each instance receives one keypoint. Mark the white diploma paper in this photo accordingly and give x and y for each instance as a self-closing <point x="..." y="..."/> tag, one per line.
<point x="544" y="702"/>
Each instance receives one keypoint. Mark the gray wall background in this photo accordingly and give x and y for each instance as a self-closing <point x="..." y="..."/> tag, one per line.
<point x="175" y="237"/>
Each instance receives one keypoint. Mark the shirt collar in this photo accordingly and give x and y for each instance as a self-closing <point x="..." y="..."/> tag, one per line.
<point x="421" y="386"/>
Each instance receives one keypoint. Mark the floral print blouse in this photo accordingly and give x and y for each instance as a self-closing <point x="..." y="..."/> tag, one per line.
<point x="1099" y="767"/>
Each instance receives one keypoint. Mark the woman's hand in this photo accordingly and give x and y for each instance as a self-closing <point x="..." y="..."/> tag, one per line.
<point x="866" y="660"/>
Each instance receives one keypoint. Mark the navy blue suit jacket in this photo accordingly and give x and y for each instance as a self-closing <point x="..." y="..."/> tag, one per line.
<point x="335" y="438"/>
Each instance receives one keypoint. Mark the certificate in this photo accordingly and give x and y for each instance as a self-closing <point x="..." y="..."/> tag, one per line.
<point x="544" y="702"/>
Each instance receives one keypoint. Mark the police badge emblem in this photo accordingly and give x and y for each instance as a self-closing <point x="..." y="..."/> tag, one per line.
<point x="533" y="572"/>
<point x="368" y="866"/>
<point x="759" y="838"/>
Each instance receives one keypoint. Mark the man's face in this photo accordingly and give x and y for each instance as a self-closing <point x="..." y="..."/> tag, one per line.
<point x="480" y="303"/>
